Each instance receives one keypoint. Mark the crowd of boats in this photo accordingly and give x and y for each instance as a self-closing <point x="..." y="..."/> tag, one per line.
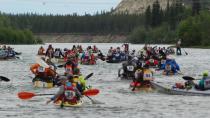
<point x="139" y="66"/>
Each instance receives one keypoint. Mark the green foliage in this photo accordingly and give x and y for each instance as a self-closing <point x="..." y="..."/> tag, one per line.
<point x="104" y="23"/>
<point x="13" y="36"/>
<point x="156" y="35"/>
<point x="195" y="30"/>
<point x="9" y="35"/>
<point x="139" y="35"/>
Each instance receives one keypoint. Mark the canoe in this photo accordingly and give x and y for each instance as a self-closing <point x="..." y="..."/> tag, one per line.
<point x="66" y="104"/>
<point x="176" y="91"/>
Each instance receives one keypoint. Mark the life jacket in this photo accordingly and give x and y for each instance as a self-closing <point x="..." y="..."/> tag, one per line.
<point x="68" y="69"/>
<point x="148" y="74"/>
<point x="41" y="51"/>
<point x="57" y="54"/>
<point x="50" y="72"/>
<point x="78" y="83"/>
<point x="205" y="83"/>
<point x="168" y="68"/>
<point x="163" y="61"/>
<point x="92" y="59"/>
<point x="86" y="54"/>
<point x="50" y="52"/>
<point x="69" y="95"/>
<point x="34" y="68"/>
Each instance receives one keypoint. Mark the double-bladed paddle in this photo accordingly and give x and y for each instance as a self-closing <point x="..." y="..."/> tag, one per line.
<point x="2" y="78"/>
<point x="188" y="78"/>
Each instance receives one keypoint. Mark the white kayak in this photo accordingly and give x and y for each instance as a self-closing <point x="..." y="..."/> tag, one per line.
<point x="176" y="91"/>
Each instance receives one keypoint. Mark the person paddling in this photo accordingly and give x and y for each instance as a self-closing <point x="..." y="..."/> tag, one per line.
<point x="67" y="93"/>
<point x="204" y="83"/>
<point x="79" y="80"/>
<point x="178" y="47"/>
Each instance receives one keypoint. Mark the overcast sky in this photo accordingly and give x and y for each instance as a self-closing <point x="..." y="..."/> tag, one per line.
<point x="57" y="6"/>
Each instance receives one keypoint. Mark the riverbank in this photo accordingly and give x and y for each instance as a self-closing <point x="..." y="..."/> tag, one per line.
<point x="81" y="38"/>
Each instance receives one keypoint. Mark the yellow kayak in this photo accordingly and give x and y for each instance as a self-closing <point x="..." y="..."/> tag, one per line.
<point x="139" y="87"/>
<point x="41" y="84"/>
<point x="66" y="104"/>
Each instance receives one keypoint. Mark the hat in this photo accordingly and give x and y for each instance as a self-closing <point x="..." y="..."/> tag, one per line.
<point x="76" y="71"/>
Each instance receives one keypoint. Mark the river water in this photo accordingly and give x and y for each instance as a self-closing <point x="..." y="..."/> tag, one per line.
<point x="118" y="99"/>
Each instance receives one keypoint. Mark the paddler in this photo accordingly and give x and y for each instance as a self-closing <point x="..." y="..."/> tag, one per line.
<point x="41" y="51"/>
<point x="67" y="93"/>
<point x="204" y="83"/>
<point x="144" y="75"/>
<point x="79" y="80"/>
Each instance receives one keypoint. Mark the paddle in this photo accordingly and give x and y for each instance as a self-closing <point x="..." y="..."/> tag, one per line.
<point x="88" y="76"/>
<point x="189" y="78"/>
<point x="135" y="85"/>
<point x="91" y="92"/>
<point x="2" y="78"/>
<point x="60" y="66"/>
<point x="185" y="51"/>
<point x="42" y="62"/>
<point x="94" y="101"/>
<point x="29" y="95"/>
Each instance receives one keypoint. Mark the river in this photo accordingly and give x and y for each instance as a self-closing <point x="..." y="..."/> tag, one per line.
<point x="118" y="99"/>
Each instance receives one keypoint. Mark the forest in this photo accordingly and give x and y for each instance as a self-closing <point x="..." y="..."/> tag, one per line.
<point x="189" y="23"/>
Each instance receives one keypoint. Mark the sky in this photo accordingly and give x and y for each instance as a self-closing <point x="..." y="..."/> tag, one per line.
<point x="57" y="6"/>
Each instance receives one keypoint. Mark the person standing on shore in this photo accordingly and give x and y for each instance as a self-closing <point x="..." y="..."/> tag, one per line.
<point x="178" y="47"/>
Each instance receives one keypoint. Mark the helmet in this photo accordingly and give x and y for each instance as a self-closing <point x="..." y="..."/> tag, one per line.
<point x="76" y="70"/>
<point x="205" y="73"/>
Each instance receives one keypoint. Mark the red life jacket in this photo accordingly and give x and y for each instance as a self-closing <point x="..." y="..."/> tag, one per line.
<point x="68" y="69"/>
<point x="69" y="95"/>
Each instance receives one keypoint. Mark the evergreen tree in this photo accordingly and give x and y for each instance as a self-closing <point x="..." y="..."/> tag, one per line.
<point x="196" y="7"/>
<point x="156" y="20"/>
<point x="148" y="16"/>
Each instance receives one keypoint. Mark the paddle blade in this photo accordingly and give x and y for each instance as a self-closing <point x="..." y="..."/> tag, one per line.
<point x="91" y="92"/>
<point x="41" y="62"/>
<point x="88" y="76"/>
<point x="60" y="66"/>
<point x="188" y="78"/>
<point x="26" y="95"/>
<point x="2" y="78"/>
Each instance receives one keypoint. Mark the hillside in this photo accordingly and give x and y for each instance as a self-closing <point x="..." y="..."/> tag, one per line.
<point x="139" y="6"/>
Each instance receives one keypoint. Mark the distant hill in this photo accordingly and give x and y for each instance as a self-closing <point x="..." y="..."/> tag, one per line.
<point x="139" y="6"/>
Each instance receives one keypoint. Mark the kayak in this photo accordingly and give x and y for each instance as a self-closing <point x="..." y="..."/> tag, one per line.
<point x="53" y="60"/>
<point x="41" y="84"/>
<point x="38" y="83"/>
<point x="66" y="104"/>
<point x="58" y="60"/>
<point x="139" y="87"/>
<point x="176" y="91"/>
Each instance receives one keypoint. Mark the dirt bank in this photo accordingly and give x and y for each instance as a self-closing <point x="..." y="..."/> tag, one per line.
<point x="81" y="38"/>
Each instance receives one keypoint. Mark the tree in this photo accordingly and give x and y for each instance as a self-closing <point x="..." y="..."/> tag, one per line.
<point x="148" y="16"/>
<point x="156" y="17"/>
<point x="196" y="7"/>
